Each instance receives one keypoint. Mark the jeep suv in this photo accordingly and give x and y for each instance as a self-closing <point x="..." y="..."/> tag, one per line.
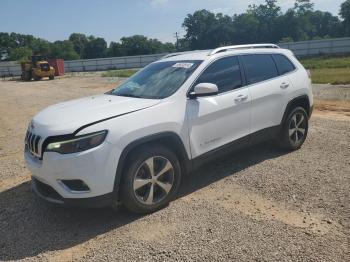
<point x="133" y="144"/>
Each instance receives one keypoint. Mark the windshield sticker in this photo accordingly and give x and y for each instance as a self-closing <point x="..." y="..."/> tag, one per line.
<point x="183" y="65"/>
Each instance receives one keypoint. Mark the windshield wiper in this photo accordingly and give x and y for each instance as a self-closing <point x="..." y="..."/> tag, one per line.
<point x="129" y="95"/>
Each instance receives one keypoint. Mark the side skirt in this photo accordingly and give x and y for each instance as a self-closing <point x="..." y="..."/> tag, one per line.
<point x="246" y="141"/>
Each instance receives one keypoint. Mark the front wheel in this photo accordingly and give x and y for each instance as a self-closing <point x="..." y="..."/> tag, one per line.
<point x="151" y="180"/>
<point x="36" y="78"/>
<point x="295" y="129"/>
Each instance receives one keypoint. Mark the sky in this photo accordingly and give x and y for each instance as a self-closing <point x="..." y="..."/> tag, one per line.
<point x="113" y="19"/>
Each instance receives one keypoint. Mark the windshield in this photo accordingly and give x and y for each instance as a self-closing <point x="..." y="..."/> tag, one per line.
<point x="158" y="80"/>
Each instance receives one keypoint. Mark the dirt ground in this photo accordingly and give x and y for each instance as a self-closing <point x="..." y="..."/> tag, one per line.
<point x="261" y="204"/>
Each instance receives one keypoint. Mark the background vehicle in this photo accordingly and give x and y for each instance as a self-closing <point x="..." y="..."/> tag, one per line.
<point x="134" y="143"/>
<point x="37" y="68"/>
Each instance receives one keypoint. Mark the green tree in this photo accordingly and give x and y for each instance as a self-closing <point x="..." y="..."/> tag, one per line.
<point x="79" y="42"/>
<point x="345" y="15"/>
<point x="115" y="49"/>
<point x="6" y="42"/>
<point x="267" y="15"/>
<point x="302" y="7"/>
<point x="20" y="54"/>
<point x="261" y="23"/>
<point x="205" y="29"/>
<point x="63" y="49"/>
<point x="183" y="45"/>
<point x="96" y="47"/>
<point x="246" y="28"/>
<point x="324" y="24"/>
<point x="138" y="45"/>
<point x="167" y="47"/>
<point x="286" y="40"/>
<point x="40" y="46"/>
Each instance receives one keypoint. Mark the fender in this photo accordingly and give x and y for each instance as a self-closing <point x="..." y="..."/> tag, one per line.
<point x="296" y="100"/>
<point x="171" y="139"/>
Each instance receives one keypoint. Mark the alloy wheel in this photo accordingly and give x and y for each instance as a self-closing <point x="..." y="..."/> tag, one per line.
<point x="297" y="128"/>
<point x="153" y="180"/>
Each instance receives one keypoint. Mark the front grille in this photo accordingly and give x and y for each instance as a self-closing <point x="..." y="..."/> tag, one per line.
<point x="32" y="143"/>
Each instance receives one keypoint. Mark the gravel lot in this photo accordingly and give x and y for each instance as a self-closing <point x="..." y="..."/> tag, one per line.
<point x="261" y="204"/>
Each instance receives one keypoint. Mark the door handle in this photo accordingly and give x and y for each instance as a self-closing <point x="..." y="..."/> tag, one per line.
<point x="284" y="85"/>
<point x="241" y="98"/>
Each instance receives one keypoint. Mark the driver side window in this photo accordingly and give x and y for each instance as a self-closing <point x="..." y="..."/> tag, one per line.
<point x="225" y="73"/>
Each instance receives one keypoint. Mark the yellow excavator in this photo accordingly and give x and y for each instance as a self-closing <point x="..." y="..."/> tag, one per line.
<point x="37" y="68"/>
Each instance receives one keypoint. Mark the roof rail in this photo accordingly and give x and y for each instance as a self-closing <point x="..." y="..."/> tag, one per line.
<point x="182" y="53"/>
<point x="233" y="47"/>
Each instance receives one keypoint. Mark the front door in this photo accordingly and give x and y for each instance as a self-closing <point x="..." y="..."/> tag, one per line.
<point x="217" y="120"/>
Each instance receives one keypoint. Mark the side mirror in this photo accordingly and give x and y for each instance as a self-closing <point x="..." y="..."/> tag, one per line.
<point x="204" y="89"/>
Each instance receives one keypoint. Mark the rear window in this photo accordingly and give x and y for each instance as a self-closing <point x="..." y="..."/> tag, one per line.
<point x="259" y="67"/>
<point x="284" y="65"/>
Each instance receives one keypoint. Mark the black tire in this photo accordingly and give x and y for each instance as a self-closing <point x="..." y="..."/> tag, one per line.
<point x="137" y="170"/>
<point x="36" y="78"/>
<point x="52" y="77"/>
<point x="294" y="130"/>
<point x="26" y="76"/>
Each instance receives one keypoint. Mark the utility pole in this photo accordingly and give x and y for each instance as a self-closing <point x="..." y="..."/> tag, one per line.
<point x="177" y="41"/>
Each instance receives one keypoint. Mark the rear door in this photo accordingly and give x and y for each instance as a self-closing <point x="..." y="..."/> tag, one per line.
<point x="217" y="120"/>
<point x="268" y="90"/>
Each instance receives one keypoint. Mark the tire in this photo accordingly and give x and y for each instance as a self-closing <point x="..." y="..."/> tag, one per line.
<point x="26" y="76"/>
<point x="52" y="77"/>
<point x="142" y="192"/>
<point x="36" y="78"/>
<point x="294" y="130"/>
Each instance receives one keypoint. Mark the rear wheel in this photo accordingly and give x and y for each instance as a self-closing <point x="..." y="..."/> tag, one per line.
<point x="151" y="180"/>
<point x="295" y="129"/>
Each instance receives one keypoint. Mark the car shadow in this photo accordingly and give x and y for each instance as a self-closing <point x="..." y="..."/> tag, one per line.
<point x="29" y="226"/>
<point x="228" y="165"/>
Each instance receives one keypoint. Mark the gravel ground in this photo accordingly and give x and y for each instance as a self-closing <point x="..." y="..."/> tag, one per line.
<point x="261" y="204"/>
<point x="327" y="91"/>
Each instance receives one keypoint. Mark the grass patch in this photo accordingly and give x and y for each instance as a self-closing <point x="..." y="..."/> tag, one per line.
<point x="326" y="62"/>
<point x="334" y="70"/>
<point x="334" y="76"/>
<point x="120" y="73"/>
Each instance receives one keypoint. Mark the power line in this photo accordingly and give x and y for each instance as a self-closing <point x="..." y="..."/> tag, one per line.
<point x="177" y="40"/>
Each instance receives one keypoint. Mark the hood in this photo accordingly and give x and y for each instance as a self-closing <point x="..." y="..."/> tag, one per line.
<point x="66" y="117"/>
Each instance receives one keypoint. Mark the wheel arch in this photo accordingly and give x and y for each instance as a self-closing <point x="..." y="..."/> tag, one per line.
<point x="169" y="139"/>
<point x="302" y="101"/>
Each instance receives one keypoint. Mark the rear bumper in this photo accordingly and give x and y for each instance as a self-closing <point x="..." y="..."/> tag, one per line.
<point x="49" y="194"/>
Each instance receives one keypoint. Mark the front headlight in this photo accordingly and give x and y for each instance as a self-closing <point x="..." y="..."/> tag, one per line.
<point x="77" y="144"/>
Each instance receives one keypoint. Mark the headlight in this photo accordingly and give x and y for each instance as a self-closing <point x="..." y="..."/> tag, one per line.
<point x="78" y="144"/>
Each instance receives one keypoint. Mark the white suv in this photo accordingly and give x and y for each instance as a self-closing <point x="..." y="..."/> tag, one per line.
<point x="133" y="144"/>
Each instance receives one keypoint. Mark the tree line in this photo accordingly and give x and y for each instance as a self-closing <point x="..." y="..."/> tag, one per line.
<point x="204" y="29"/>
<point x="264" y="23"/>
<point x="78" y="46"/>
